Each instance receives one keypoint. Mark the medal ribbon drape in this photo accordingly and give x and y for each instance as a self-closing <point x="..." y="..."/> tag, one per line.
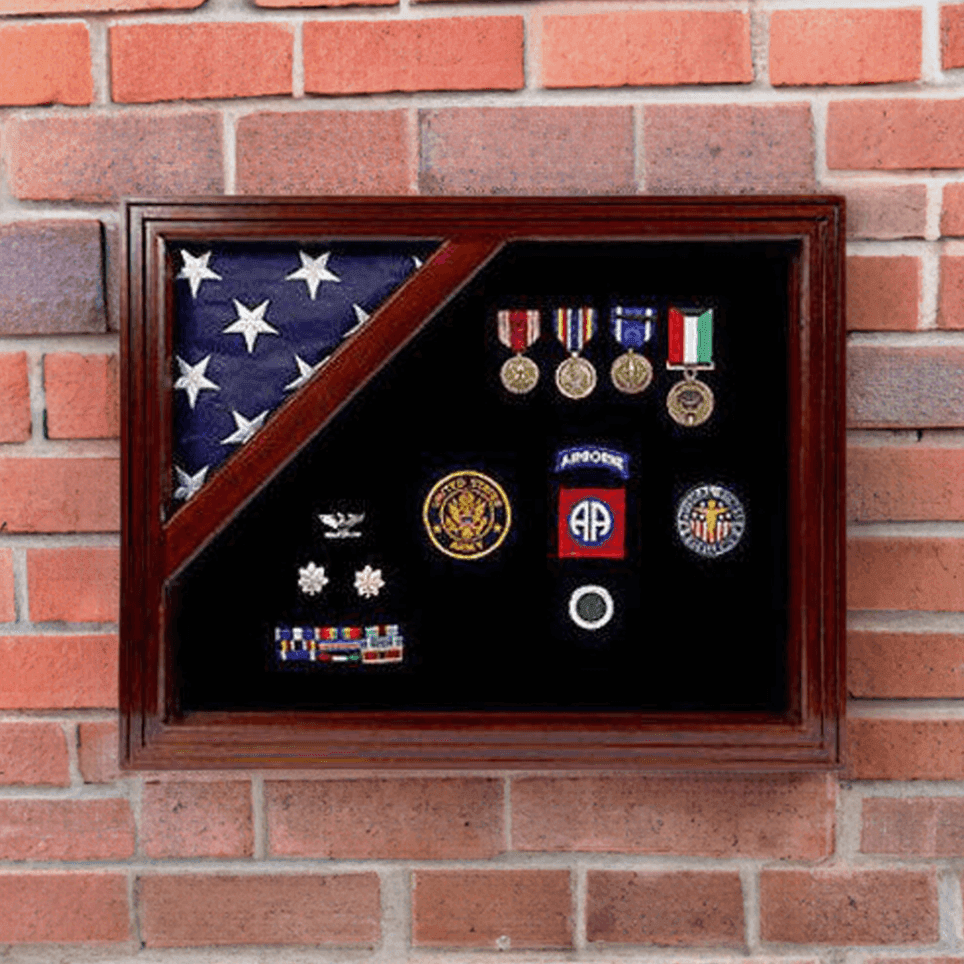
<point x="575" y="376"/>
<point x="689" y="346"/>
<point x="632" y="327"/>
<point x="518" y="329"/>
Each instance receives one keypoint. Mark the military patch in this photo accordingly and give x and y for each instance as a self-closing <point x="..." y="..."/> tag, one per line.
<point x="592" y="523"/>
<point x="467" y="515"/>
<point x="592" y="457"/>
<point x="710" y="520"/>
<point x="591" y="607"/>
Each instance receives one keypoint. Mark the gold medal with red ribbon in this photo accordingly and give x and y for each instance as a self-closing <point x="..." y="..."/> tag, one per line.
<point x="518" y="329"/>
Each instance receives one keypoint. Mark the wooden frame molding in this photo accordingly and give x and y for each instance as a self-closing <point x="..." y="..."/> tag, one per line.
<point x="157" y="544"/>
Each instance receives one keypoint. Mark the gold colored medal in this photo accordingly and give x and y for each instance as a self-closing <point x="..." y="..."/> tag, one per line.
<point x="690" y="402"/>
<point x="519" y="374"/>
<point x="631" y="373"/>
<point x="575" y="377"/>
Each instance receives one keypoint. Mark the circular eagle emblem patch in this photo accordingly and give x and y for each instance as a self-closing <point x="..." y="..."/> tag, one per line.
<point x="467" y="515"/>
<point x="710" y="520"/>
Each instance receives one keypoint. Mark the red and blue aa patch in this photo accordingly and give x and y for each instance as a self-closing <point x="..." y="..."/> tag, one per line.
<point x="592" y="523"/>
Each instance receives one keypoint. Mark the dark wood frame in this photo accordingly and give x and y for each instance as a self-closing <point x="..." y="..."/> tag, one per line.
<point x="154" y="735"/>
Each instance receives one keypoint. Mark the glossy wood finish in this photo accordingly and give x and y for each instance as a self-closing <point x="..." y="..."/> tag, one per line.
<point x="154" y="734"/>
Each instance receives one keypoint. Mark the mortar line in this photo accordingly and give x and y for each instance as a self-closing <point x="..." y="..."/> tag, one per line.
<point x="259" y="823"/>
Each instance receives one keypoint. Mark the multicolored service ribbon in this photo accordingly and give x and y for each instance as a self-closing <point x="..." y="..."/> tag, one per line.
<point x="690" y="339"/>
<point x="518" y="329"/>
<point x="575" y="326"/>
<point x="632" y="325"/>
<point x="339" y="644"/>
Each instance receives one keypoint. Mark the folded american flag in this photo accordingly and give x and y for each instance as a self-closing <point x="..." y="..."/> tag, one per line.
<point x="254" y="322"/>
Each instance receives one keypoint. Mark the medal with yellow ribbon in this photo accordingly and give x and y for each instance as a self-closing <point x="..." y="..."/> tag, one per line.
<point x="575" y="377"/>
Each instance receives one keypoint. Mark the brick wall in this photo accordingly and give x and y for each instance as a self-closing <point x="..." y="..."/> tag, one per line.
<point x="106" y="98"/>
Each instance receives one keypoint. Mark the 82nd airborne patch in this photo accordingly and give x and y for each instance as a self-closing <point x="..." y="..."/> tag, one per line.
<point x="592" y="523"/>
<point x="467" y="515"/>
<point x="710" y="520"/>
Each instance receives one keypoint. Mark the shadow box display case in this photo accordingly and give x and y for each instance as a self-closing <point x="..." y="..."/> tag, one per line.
<point x="414" y="482"/>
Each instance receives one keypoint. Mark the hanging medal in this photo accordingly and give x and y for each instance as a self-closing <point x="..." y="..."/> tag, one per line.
<point x="690" y="348"/>
<point x="632" y="327"/>
<point x="575" y="377"/>
<point x="518" y="330"/>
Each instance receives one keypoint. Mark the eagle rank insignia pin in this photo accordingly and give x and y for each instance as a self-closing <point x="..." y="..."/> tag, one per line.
<point x="710" y="520"/>
<point x="467" y="515"/>
<point x="342" y="525"/>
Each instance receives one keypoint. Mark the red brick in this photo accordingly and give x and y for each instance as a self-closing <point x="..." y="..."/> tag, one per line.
<point x="325" y="3"/>
<point x="91" y="6"/>
<point x="365" y="57"/>
<point x="527" y="150"/>
<point x="8" y="604"/>
<point x="45" y="63"/>
<point x="74" y="908"/>
<point x="77" y="585"/>
<point x="917" y="827"/>
<point x="848" y="907"/>
<point x="904" y="483"/>
<point x="197" y="819"/>
<point x="152" y="61"/>
<point x="701" y="815"/>
<point x="33" y="754"/>
<point x="66" y="829"/>
<point x="492" y="909"/>
<point x="97" y="752"/>
<point x="882" y="749"/>
<point x="844" y="46"/>
<point x="890" y="573"/>
<point x="905" y="665"/>
<point x="189" y="910"/>
<point x="103" y="157"/>
<point x="62" y="672"/>
<point x="427" y="819"/>
<point x="82" y="394"/>
<point x="683" y="909"/>
<point x="602" y="49"/>
<point x="728" y="148"/>
<point x="15" y="392"/>
<point x="882" y="212"/>
<point x="60" y="264"/>
<point x="952" y="216"/>
<point x="952" y="36"/>
<point x="894" y="134"/>
<point x="904" y="387"/>
<point x="60" y="495"/>
<point x="291" y="152"/>
<point x="883" y="293"/>
<point x="950" y="313"/>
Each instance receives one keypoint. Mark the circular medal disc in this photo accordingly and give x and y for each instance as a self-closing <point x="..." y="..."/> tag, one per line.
<point x="631" y="373"/>
<point x="519" y="374"/>
<point x="575" y="377"/>
<point x="591" y="607"/>
<point x="690" y="402"/>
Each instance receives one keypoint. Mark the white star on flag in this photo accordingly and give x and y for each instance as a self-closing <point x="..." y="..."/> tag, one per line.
<point x="196" y="270"/>
<point x="245" y="428"/>
<point x="361" y="316"/>
<point x="305" y="371"/>
<point x="368" y="581"/>
<point x="313" y="271"/>
<point x="188" y="485"/>
<point x="250" y="323"/>
<point x="193" y="379"/>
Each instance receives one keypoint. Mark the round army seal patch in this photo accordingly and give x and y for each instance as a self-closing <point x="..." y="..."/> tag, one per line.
<point x="467" y="515"/>
<point x="710" y="520"/>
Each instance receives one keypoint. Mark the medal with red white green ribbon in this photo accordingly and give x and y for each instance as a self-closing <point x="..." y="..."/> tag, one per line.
<point x="690" y="349"/>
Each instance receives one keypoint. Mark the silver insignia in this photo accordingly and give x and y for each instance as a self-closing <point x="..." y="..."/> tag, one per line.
<point x="342" y="524"/>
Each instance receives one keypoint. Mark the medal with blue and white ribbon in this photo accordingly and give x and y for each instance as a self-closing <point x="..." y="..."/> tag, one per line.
<point x="690" y="348"/>
<point x="518" y="329"/>
<point x="632" y="327"/>
<point x="575" y="377"/>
